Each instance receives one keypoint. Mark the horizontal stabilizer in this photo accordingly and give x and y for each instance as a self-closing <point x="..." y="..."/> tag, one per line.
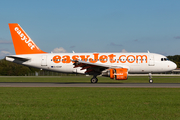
<point x="14" y="58"/>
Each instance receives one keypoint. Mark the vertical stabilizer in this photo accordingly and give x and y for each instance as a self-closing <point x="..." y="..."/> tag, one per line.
<point x="23" y="44"/>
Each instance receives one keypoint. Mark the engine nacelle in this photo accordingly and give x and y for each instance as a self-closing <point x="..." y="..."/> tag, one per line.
<point x="117" y="73"/>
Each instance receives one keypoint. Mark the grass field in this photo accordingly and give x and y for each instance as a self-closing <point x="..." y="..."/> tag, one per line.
<point x="89" y="103"/>
<point x="85" y="79"/>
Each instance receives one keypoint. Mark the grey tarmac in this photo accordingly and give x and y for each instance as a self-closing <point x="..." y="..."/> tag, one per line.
<point x="117" y="85"/>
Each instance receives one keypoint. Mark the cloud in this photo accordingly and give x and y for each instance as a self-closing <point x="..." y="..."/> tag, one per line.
<point x="124" y="51"/>
<point x="4" y="49"/>
<point x="115" y="45"/>
<point x="5" y="42"/>
<point x="4" y="53"/>
<point x="177" y="37"/>
<point x="59" y="50"/>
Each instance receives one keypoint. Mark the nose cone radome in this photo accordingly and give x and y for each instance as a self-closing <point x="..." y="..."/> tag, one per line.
<point x="173" y="66"/>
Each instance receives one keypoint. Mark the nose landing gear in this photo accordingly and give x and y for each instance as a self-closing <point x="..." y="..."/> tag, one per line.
<point x="150" y="78"/>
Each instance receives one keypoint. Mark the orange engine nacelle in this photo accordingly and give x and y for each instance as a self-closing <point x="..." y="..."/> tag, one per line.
<point x="118" y="73"/>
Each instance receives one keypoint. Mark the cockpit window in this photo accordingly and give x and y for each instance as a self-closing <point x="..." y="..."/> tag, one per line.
<point x="164" y="59"/>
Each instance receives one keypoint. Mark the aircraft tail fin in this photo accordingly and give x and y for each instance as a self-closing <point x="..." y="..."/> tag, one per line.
<point x="23" y="44"/>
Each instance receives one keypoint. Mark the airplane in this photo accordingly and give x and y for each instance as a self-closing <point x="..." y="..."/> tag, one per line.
<point x="117" y="66"/>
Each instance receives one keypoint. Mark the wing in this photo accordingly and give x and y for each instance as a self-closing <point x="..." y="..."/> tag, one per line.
<point x="91" y="68"/>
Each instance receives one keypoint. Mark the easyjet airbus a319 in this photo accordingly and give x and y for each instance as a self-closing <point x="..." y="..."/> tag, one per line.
<point x="113" y="65"/>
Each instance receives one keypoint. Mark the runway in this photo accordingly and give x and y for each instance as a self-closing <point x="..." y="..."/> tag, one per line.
<point x="116" y="85"/>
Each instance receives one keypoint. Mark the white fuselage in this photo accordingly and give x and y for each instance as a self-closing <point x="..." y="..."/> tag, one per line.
<point x="63" y="62"/>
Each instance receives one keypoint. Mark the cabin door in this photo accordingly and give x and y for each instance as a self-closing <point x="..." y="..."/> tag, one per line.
<point x="151" y="60"/>
<point x="44" y="60"/>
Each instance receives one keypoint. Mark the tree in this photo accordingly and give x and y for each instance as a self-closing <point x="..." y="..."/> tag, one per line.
<point x="176" y="59"/>
<point x="13" y="69"/>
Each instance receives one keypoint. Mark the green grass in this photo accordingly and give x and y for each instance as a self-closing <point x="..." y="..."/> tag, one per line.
<point x="89" y="103"/>
<point x="84" y="79"/>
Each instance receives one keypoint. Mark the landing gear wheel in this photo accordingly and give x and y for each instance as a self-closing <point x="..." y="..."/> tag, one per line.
<point x="150" y="81"/>
<point x="150" y="78"/>
<point x="94" y="80"/>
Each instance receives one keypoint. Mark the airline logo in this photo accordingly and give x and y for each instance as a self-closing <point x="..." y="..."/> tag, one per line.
<point x="102" y="58"/>
<point x="26" y="39"/>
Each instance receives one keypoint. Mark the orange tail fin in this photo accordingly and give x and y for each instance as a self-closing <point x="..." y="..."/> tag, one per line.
<point x="23" y="44"/>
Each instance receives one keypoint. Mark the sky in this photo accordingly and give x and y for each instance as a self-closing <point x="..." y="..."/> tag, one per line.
<point x="94" y="25"/>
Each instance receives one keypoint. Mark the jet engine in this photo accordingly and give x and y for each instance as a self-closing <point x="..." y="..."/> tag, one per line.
<point x="116" y="73"/>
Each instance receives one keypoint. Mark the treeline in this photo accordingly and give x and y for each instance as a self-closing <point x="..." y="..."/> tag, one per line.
<point x="176" y="59"/>
<point x="13" y="69"/>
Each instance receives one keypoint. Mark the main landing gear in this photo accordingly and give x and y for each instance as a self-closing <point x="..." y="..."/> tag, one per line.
<point x="150" y="78"/>
<point x="94" y="79"/>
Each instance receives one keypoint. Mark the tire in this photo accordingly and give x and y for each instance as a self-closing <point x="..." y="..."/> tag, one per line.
<point x="94" y="80"/>
<point x="150" y="81"/>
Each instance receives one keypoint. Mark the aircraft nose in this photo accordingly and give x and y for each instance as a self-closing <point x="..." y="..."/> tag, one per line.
<point x="173" y="65"/>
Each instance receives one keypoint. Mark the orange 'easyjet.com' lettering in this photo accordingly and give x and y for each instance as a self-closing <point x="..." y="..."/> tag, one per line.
<point x="101" y="58"/>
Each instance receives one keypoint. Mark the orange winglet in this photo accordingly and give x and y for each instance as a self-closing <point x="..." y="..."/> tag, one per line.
<point x="23" y="44"/>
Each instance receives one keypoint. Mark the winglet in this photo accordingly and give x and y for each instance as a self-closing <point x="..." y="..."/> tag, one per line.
<point x="23" y="44"/>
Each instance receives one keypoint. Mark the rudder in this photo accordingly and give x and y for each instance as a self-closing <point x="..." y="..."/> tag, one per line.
<point x="23" y="44"/>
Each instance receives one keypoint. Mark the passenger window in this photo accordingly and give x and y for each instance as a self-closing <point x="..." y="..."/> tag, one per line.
<point x="161" y="59"/>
